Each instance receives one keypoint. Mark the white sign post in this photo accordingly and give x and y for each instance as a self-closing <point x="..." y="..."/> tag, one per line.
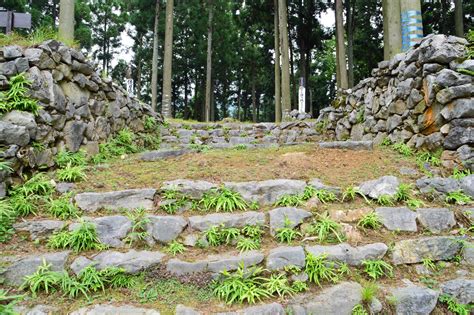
<point x="302" y="97"/>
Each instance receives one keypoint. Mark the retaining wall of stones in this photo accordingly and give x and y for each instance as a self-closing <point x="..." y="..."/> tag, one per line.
<point x="421" y="97"/>
<point x="227" y="135"/>
<point x="80" y="109"/>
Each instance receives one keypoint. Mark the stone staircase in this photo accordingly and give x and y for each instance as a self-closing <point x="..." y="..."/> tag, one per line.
<point x="407" y="239"/>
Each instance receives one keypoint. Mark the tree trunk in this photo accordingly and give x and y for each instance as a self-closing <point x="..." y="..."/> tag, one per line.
<point x="459" y="18"/>
<point x="66" y="20"/>
<point x="293" y="85"/>
<point x="392" y="34"/>
<point x="167" y="62"/>
<point x="341" y="48"/>
<point x="277" y="67"/>
<point x="285" y="62"/>
<point x="350" y="40"/>
<point x="154" y="62"/>
<point x="412" y="26"/>
<point x="207" y="112"/>
<point x="254" y="97"/>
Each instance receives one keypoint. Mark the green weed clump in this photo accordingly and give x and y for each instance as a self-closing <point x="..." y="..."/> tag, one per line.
<point x="326" y="229"/>
<point x="359" y="310"/>
<point x="459" y="174"/>
<point x="247" y="238"/>
<point x="457" y="197"/>
<point x="8" y="302"/>
<point x="290" y="201"/>
<point x="7" y="217"/>
<point x="320" y="269"/>
<point x="71" y="173"/>
<point x="16" y="98"/>
<point x="246" y="244"/>
<point x="377" y="268"/>
<point x="122" y="143"/>
<point x="370" y="221"/>
<point x="88" y="280"/>
<point x="138" y="233"/>
<point x="223" y="199"/>
<point x="63" y="208"/>
<point x="175" y="248"/>
<point x="432" y="158"/>
<point x="403" y="149"/>
<point x="287" y="233"/>
<point x="454" y="306"/>
<point x="83" y="238"/>
<point x="65" y="158"/>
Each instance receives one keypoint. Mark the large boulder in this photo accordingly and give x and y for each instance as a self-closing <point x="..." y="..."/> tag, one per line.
<point x="19" y="267"/>
<point x="461" y="289"/>
<point x="39" y="229"/>
<point x="24" y="119"/>
<point x="415" y="250"/>
<point x="397" y="219"/>
<point x="116" y="200"/>
<point x="339" y="299"/>
<point x="384" y="186"/>
<point x="74" y="134"/>
<point x="414" y="300"/>
<point x="437" y="185"/>
<point x="285" y="256"/>
<point x="269" y="191"/>
<point x="13" y="134"/>
<point x="202" y="223"/>
<point x="436" y="220"/>
<point x="351" y="255"/>
<point x="164" y="229"/>
<point x="294" y="215"/>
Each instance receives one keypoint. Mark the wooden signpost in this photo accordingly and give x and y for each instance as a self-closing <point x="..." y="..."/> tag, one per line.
<point x="11" y="20"/>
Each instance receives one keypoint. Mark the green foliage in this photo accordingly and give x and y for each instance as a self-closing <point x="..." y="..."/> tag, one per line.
<point x="287" y="234"/>
<point x="150" y="123"/>
<point x="321" y="126"/>
<point x="25" y="205"/>
<point x="213" y="236"/>
<point x="172" y="206"/>
<point x="386" y="142"/>
<point x="370" y="221"/>
<point x="7" y="218"/>
<point x="5" y="166"/>
<point x="429" y="264"/>
<point x="65" y="158"/>
<point x="223" y="199"/>
<point x="175" y="248"/>
<point x="325" y="196"/>
<point x="254" y="232"/>
<point x="290" y="201"/>
<point x="122" y="143"/>
<point x="299" y="286"/>
<point x="320" y="269"/>
<point x="8" y="302"/>
<point x="403" y="192"/>
<point x="433" y="159"/>
<point x="246" y="244"/>
<point x="42" y="280"/>
<point x="92" y="278"/>
<point x="360" y="118"/>
<point x="458" y="174"/>
<point x="84" y="237"/>
<point x="403" y="149"/>
<point x="377" y="268"/>
<point x="254" y="206"/>
<point x="309" y="192"/>
<point x="359" y="310"/>
<point x="38" y="184"/>
<point x="457" y="197"/>
<point x="138" y="233"/>
<point x="63" y="208"/>
<point x="279" y="285"/>
<point x="326" y="229"/>
<point x="454" y="306"/>
<point x="243" y="285"/>
<point x="229" y="234"/>
<point x="240" y="147"/>
<point x="414" y="203"/>
<point x="369" y="292"/>
<point x="16" y="98"/>
<point x="385" y="200"/>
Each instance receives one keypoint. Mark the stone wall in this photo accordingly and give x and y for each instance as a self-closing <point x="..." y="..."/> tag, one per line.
<point x="228" y="135"/>
<point x="419" y="97"/>
<point x="80" y="109"/>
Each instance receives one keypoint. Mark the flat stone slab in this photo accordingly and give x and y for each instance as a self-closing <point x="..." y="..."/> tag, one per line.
<point x="437" y="185"/>
<point x="202" y="223"/>
<point x="267" y="192"/>
<point x="105" y="309"/>
<point x="132" y="261"/>
<point x="339" y="299"/>
<point x="351" y="255"/>
<point x="162" y="154"/>
<point x="191" y="188"/>
<point x="383" y="186"/>
<point x="111" y="230"/>
<point x="39" y="229"/>
<point x="215" y="263"/>
<point x="397" y="219"/>
<point x="415" y="250"/>
<point x="164" y="229"/>
<point x="19" y="267"/>
<point x="116" y="200"/>
<point x="350" y="145"/>
<point x="295" y="215"/>
<point x="285" y="256"/>
<point x="414" y="300"/>
<point x="263" y="309"/>
<point x="436" y="220"/>
<point x="461" y="289"/>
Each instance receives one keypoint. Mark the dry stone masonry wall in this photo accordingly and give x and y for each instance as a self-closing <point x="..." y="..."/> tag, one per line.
<point x="420" y="97"/>
<point x="80" y="109"/>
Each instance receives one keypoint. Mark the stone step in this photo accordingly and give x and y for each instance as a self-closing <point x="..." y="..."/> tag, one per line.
<point x="350" y="145"/>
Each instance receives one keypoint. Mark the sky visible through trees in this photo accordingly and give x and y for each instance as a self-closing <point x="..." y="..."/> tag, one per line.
<point x="243" y="72"/>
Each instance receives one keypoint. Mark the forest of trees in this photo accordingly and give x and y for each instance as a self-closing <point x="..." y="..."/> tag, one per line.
<point x="222" y="57"/>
